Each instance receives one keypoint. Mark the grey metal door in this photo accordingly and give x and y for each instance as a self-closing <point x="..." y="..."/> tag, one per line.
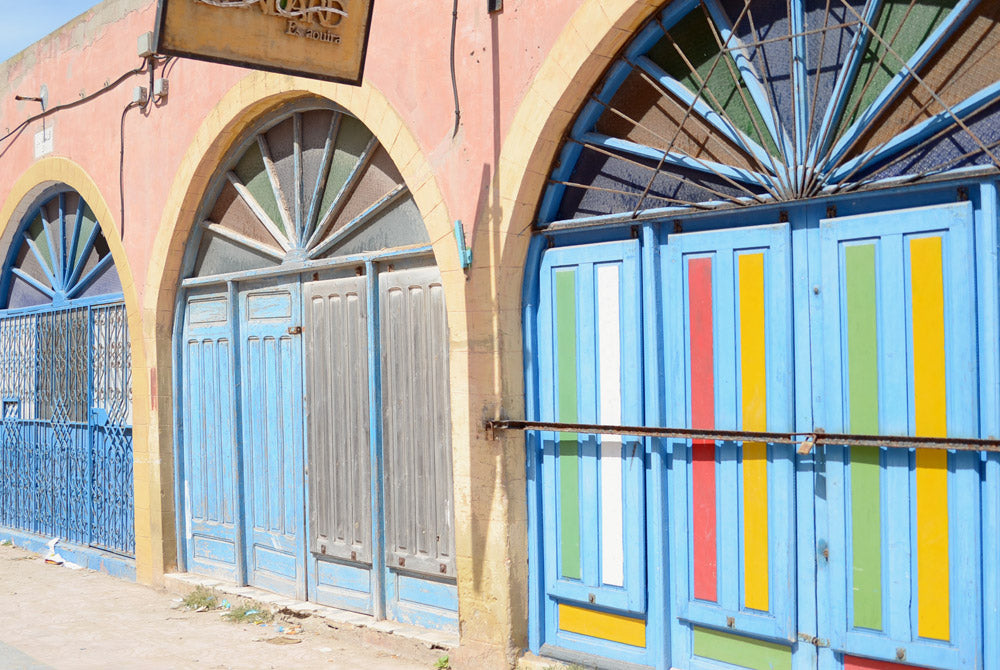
<point x="416" y="441"/>
<point x="340" y="447"/>
<point x="381" y="536"/>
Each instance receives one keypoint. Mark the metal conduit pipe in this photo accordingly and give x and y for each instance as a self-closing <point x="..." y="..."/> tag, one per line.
<point x="806" y="441"/>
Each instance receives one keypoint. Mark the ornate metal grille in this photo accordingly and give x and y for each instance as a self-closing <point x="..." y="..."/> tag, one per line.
<point x="732" y="103"/>
<point x="66" y="434"/>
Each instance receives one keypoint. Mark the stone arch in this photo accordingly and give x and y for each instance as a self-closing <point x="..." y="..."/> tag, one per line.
<point x="497" y="584"/>
<point x="26" y="191"/>
<point x="235" y="114"/>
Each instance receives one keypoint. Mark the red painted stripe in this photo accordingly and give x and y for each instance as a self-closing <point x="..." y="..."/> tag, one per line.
<point x="702" y="416"/>
<point x="857" y="663"/>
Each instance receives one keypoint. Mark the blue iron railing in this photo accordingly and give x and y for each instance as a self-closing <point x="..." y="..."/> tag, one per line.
<point x="66" y="433"/>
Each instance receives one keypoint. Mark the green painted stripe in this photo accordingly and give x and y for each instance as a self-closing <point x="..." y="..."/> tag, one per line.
<point x="86" y="227"/>
<point x="741" y="651"/>
<point x="919" y="18"/>
<point x="36" y="231"/>
<point x="253" y="173"/>
<point x="712" y="78"/>
<point x="569" y="463"/>
<point x="862" y="357"/>
<point x="352" y="138"/>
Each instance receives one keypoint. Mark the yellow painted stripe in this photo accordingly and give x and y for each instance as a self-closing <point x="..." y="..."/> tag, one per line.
<point x="753" y="377"/>
<point x="930" y="409"/>
<point x="613" y="627"/>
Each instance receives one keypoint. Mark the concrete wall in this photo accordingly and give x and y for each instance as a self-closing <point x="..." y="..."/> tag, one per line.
<point x="520" y="74"/>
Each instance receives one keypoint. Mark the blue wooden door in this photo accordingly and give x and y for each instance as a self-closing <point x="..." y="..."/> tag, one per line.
<point x="591" y="488"/>
<point x="272" y="399"/>
<point x="900" y="527"/>
<point x="729" y="359"/>
<point x="210" y="435"/>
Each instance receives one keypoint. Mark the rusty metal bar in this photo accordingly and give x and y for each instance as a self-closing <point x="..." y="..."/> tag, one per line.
<point x="805" y="440"/>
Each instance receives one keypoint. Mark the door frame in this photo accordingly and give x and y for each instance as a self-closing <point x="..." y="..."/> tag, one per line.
<point x="811" y="651"/>
<point x="300" y="273"/>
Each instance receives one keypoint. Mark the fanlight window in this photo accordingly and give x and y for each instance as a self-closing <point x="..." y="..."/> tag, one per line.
<point x="737" y="102"/>
<point x="62" y="256"/>
<point x="315" y="185"/>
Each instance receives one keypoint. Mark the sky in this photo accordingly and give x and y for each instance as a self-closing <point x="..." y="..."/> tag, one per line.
<point x="23" y="23"/>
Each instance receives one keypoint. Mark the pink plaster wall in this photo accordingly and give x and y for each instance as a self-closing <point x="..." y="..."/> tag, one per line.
<point x="408" y="60"/>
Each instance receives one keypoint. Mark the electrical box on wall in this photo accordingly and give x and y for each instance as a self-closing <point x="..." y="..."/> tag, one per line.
<point x="145" y="45"/>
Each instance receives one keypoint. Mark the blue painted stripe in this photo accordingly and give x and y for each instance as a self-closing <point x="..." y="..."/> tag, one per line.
<point x="94" y="273"/>
<point x="91" y="240"/>
<point x="677" y="159"/>
<point x="92" y="301"/>
<point x="801" y="86"/>
<point x="917" y="134"/>
<point x="361" y="220"/>
<point x="700" y="107"/>
<point x="989" y="403"/>
<point x="379" y="568"/>
<point x="902" y="78"/>
<point x="751" y="79"/>
<point x="41" y="261"/>
<point x="75" y="240"/>
<point x="33" y="282"/>
<point x="842" y="85"/>
<point x="311" y="266"/>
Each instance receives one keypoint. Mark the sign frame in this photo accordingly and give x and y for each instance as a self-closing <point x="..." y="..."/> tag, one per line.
<point x="258" y="63"/>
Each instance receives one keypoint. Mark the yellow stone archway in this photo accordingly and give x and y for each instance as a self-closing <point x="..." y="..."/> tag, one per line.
<point x="58" y="170"/>
<point x="237" y="111"/>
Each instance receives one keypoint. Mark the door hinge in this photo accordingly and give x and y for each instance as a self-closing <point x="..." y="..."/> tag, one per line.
<point x="813" y="640"/>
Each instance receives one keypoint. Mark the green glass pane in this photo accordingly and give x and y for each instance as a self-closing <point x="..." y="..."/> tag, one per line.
<point x="352" y="138"/>
<point x="902" y="26"/>
<point x="87" y="225"/>
<point x="722" y="87"/>
<point x="36" y="233"/>
<point x="253" y="174"/>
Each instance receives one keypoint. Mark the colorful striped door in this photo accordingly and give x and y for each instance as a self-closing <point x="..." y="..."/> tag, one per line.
<point x="899" y="357"/>
<point x="592" y="486"/>
<point x="727" y="327"/>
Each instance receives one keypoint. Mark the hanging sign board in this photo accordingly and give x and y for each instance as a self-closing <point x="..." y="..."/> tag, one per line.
<point x="323" y="39"/>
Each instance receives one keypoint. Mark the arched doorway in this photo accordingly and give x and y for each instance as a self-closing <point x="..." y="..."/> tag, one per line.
<point x="771" y="217"/>
<point x="65" y="381"/>
<point x="313" y="406"/>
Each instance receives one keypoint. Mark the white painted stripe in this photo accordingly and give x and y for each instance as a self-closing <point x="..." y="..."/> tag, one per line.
<point x="610" y="379"/>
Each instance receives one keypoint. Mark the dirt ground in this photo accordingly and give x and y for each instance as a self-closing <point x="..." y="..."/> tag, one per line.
<point x="54" y="617"/>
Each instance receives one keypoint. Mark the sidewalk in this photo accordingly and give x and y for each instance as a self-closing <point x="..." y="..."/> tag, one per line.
<point x="54" y="617"/>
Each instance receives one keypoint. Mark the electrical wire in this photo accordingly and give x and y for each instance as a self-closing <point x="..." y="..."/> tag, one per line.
<point x="144" y="105"/>
<point x="121" y="166"/>
<point x="69" y="105"/>
<point x="454" y="80"/>
<point x="148" y="65"/>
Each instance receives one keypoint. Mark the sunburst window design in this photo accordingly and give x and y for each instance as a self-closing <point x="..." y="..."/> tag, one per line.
<point x="61" y="256"/>
<point x="317" y="184"/>
<point x="737" y="102"/>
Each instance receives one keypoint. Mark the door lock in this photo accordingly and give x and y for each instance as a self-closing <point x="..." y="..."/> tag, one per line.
<point x="295" y="330"/>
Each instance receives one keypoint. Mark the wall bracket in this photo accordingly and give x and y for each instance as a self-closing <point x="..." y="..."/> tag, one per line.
<point x="464" y="252"/>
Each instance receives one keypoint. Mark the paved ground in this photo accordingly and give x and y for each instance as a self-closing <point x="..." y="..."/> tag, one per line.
<point x="54" y="617"/>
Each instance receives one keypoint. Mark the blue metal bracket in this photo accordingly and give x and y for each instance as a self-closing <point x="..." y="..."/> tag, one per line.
<point x="464" y="252"/>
